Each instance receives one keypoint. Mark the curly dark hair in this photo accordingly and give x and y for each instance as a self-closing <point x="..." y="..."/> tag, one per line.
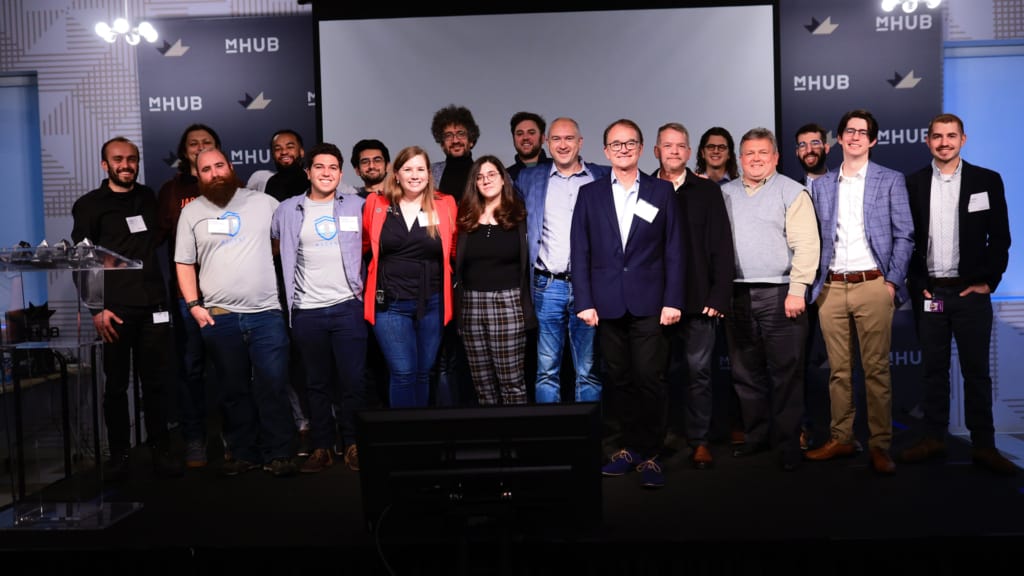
<point x="454" y="115"/>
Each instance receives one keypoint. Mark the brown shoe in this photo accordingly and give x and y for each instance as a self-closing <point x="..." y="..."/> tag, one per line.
<point x="992" y="460"/>
<point x="925" y="449"/>
<point x="830" y="450"/>
<point x="737" y="436"/>
<point x="881" y="461"/>
<point x="318" y="461"/>
<point x="701" y="458"/>
<point x="352" y="458"/>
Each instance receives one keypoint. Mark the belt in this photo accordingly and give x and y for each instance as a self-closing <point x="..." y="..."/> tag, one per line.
<point x="947" y="282"/>
<point x="217" y="311"/>
<point x="566" y="276"/>
<point x="854" y="277"/>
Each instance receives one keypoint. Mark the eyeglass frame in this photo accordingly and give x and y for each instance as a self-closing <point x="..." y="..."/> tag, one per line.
<point x="716" y="147"/>
<point x="460" y="134"/>
<point x="812" y="144"/>
<point x="628" y="145"/>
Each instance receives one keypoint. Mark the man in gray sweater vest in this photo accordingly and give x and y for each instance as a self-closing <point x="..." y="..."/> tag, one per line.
<point x="777" y="250"/>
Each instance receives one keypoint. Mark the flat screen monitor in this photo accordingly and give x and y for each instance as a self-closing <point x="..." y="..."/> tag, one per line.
<point x="530" y="466"/>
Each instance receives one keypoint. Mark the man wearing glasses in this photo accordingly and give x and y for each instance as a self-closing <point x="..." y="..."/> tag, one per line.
<point x="866" y="242"/>
<point x="812" y="150"/>
<point x="628" y="277"/>
<point x="456" y="132"/>
<point x="370" y="159"/>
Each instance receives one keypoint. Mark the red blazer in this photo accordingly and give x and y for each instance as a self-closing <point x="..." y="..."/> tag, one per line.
<point x="374" y="212"/>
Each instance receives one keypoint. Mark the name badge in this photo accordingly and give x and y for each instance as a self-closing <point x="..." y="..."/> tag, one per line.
<point x="933" y="305"/>
<point x="218" y="226"/>
<point x="424" y="221"/>
<point x="348" y="223"/>
<point x="645" y="210"/>
<point x="161" y="317"/>
<point x="978" y="202"/>
<point x="135" y="224"/>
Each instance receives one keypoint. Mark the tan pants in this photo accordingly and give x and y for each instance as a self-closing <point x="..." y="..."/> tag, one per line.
<point x="864" y="309"/>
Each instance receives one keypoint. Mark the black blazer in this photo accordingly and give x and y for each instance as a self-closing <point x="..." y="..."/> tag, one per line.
<point x="710" y="254"/>
<point x="984" y="233"/>
<point x="525" y="291"/>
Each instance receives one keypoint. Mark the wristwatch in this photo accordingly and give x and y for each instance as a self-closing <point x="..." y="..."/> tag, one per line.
<point x="193" y="303"/>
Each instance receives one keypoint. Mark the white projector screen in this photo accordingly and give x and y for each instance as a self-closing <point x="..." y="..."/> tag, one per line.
<point x="385" y="78"/>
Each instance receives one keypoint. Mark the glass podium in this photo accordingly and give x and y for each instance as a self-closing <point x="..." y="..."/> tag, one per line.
<point x="51" y="388"/>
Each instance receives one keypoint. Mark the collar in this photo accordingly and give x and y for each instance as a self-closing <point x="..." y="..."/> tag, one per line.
<point x="859" y="175"/>
<point x="956" y="173"/>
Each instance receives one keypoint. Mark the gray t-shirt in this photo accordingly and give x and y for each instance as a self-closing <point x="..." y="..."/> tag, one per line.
<point x="232" y="247"/>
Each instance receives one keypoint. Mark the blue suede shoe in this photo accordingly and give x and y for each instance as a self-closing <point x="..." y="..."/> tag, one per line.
<point x="651" y="475"/>
<point x="623" y="461"/>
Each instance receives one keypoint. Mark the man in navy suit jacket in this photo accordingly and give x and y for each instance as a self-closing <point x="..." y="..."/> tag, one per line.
<point x="962" y="248"/>
<point x="628" y="274"/>
<point x="866" y="240"/>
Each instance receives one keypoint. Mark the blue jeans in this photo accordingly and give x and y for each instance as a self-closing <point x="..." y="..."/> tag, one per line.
<point x="332" y="341"/>
<point x="410" y="347"/>
<point x="553" y="302"/>
<point x="249" y="355"/>
<point x="191" y="379"/>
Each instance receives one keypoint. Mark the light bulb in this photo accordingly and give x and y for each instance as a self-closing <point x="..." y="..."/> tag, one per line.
<point x="933" y="4"/>
<point x="103" y="31"/>
<point x="132" y="38"/>
<point x="909" y="6"/>
<point x="888" y="5"/>
<point x="147" y="31"/>
<point x="121" y="26"/>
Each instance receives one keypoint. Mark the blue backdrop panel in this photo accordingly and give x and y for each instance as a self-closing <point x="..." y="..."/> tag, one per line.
<point x="838" y="55"/>
<point x="244" y="77"/>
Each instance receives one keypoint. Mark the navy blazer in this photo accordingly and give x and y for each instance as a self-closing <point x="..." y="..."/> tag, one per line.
<point x="649" y="274"/>
<point x="887" y="224"/>
<point x="984" y="233"/>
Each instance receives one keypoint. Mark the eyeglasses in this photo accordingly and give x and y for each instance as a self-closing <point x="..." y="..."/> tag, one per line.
<point x="460" y="134"/>
<point x="369" y="161"/>
<point x="487" y="176"/>
<point x="627" y="145"/>
<point x="851" y="131"/>
<point x="714" y="147"/>
<point x="812" y="144"/>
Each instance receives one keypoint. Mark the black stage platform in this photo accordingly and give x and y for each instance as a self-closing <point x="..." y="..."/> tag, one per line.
<point x="744" y="516"/>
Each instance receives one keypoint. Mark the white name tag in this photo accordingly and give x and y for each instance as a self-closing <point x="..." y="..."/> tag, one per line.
<point x="978" y="202"/>
<point x="348" y="223"/>
<point x="645" y="210"/>
<point x="161" y="317"/>
<point x="218" y="226"/>
<point x="135" y="224"/>
<point x="423" y="221"/>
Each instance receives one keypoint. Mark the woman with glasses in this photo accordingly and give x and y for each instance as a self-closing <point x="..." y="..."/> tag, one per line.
<point x="716" y="160"/>
<point x="492" y="292"/>
<point x="409" y="232"/>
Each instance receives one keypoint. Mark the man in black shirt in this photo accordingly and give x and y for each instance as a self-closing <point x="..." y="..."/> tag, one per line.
<point x="288" y="153"/>
<point x="120" y="215"/>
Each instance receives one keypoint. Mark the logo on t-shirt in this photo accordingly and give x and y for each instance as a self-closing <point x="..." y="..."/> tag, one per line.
<point x="234" y="222"/>
<point x="326" y="227"/>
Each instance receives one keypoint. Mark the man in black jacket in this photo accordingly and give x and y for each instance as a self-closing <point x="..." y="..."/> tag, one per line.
<point x="710" y="268"/>
<point x="134" y="322"/>
<point x="961" y="249"/>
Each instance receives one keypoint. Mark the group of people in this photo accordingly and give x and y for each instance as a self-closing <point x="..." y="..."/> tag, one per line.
<point x="462" y="281"/>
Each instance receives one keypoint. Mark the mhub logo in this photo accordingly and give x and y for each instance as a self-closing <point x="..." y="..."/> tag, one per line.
<point x="821" y="82"/>
<point x="903" y="22"/>
<point x="903" y="82"/>
<point x="894" y="136"/>
<point x="310" y="98"/>
<point x="175" y="103"/>
<point x="255" y="45"/>
<point x="250" y="157"/>
<point x="823" y="28"/>
<point x="257" y="103"/>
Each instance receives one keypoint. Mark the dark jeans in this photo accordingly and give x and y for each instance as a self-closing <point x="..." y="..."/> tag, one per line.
<point x="191" y="381"/>
<point x="692" y="342"/>
<point x="410" y="346"/>
<point x="333" y="345"/>
<point x="149" y="345"/>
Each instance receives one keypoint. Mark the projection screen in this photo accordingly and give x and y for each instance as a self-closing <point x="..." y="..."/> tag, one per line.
<point x="385" y="78"/>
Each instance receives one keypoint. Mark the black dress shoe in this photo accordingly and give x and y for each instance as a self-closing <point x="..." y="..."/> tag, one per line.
<point x="749" y="449"/>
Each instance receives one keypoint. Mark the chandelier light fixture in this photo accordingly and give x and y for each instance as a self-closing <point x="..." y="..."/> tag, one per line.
<point x="909" y="6"/>
<point x="122" y="27"/>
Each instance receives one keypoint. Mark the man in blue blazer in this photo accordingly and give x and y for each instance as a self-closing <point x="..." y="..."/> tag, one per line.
<point x="962" y="248"/>
<point x="549" y="191"/>
<point x="866" y="241"/>
<point x="628" y="278"/>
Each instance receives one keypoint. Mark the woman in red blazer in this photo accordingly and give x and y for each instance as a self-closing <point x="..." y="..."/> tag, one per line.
<point x="409" y="232"/>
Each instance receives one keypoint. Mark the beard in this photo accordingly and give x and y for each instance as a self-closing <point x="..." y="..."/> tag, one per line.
<point x="818" y="167"/>
<point x="220" y="191"/>
<point x="126" y="182"/>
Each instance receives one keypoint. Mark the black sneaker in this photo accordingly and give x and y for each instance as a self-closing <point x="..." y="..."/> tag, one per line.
<point x="281" y="467"/>
<point x="236" y="467"/>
